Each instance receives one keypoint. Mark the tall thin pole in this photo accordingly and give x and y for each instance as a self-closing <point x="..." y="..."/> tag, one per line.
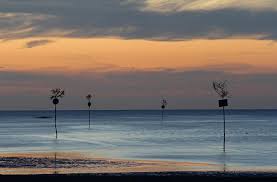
<point x="89" y="116"/>
<point x="224" y="128"/>
<point x="162" y="114"/>
<point x="56" y="121"/>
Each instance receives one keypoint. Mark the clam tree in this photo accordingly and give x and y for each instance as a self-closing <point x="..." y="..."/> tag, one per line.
<point x="89" y="98"/>
<point x="221" y="88"/>
<point x="163" y="106"/>
<point x="56" y="94"/>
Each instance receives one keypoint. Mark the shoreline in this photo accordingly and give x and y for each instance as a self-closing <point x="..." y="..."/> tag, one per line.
<point x="149" y="176"/>
<point x="79" y="166"/>
<point x="170" y="174"/>
<point x="82" y="164"/>
<point x="79" y="163"/>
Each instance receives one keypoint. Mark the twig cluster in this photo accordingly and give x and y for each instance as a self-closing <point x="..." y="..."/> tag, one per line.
<point x="57" y="93"/>
<point x="221" y="89"/>
<point x="89" y="97"/>
<point x="164" y="102"/>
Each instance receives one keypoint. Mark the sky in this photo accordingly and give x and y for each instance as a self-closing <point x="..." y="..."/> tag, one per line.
<point x="132" y="53"/>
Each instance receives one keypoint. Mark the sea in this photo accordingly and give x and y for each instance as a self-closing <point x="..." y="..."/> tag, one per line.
<point x="180" y="135"/>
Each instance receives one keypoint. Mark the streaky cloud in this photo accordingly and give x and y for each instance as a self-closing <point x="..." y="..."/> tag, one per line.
<point x="208" y="5"/>
<point x="126" y="19"/>
<point x="37" y="43"/>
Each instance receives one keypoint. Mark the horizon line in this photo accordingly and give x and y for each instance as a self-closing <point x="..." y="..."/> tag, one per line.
<point x="29" y="110"/>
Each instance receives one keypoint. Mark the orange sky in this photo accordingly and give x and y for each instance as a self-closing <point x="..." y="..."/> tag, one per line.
<point x="105" y="54"/>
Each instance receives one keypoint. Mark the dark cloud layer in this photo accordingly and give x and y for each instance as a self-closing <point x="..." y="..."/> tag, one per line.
<point x="37" y="43"/>
<point x="98" y="18"/>
<point x="137" y="89"/>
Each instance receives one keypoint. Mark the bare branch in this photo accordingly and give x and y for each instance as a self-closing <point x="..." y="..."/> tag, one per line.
<point x="164" y="102"/>
<point x="57" y="93"/>
<point x="221" y="89"/>
<point x="89" y="97"/>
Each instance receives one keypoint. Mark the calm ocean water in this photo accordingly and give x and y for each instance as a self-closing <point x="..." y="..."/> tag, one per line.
<point x="184" y="135"/>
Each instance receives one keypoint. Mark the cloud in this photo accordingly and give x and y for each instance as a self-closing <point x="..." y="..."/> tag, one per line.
<point x="37" y="43"/>
<point x="195" y="5"/>
<point x="131" y="19"/>
<point x="20" y="25"/>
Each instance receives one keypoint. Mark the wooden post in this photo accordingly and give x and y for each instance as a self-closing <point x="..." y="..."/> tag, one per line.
<point x="162" y="114"/>
<point x="224" y="128"/>
<point x="223" y="103"/>
<point x="89" y="116"/>
<point x="56" y="121"/>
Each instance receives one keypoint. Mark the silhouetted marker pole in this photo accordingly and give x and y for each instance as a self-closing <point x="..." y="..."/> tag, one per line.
<point x="164" y="104"/>
<point x="56" y="121"/>
<point x="223" y="103"/>
<point x="163" y="107"/>
<point x="224" y="128"/>
<point x="89" y="105"/>
<point x="221" y="89"/>
<point x="55" y="102"/>
<point x="89" y="97"/>
<point x="55" y="94"/>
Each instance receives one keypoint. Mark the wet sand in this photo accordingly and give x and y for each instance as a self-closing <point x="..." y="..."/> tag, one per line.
<point x="75" y="166"/>
<point x="76" y="163"/>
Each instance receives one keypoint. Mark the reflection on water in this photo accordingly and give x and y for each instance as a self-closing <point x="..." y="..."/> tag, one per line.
<point x="55" y="158"/>
<point x="222" y="158"/>
<point x="182" y="136"/>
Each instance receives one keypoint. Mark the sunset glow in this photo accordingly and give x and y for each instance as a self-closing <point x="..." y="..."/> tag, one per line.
<point x="135" y="52"/>
<point x="77" y="55"/>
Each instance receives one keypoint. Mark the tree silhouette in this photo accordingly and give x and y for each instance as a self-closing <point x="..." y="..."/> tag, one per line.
<point x="221" y="88"/>
<point x="89" y="98"/>
<point x="164" y="104"/>
<point x="56" y="94"/>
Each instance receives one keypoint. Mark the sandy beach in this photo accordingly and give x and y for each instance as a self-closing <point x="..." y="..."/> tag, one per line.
<point x="70" y="163"/>
<point x="76" y="166"/>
